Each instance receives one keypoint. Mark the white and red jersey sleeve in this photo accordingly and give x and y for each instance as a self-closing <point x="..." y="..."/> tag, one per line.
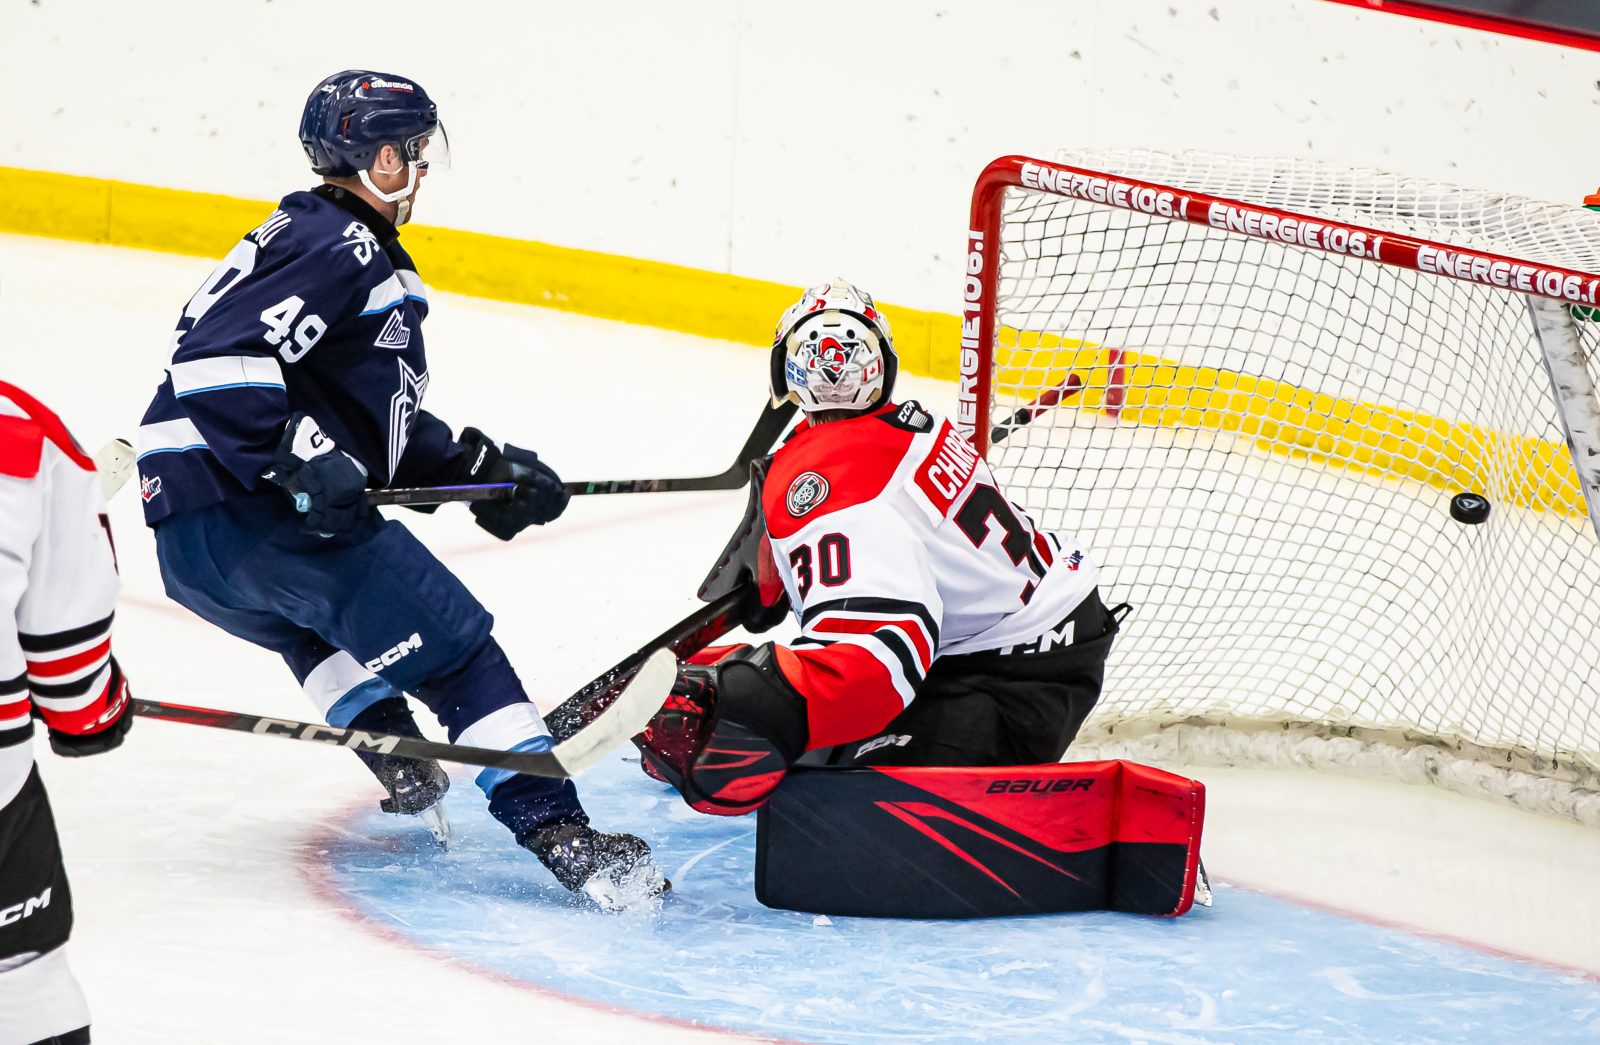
<point x="58" y="583"/>
<point x="896" y="546"/>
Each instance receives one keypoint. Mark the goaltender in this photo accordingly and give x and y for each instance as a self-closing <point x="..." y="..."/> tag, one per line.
<point x="939" y="624"/>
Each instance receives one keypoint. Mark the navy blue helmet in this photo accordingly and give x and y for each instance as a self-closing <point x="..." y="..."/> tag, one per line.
<point x="353" y="114"/>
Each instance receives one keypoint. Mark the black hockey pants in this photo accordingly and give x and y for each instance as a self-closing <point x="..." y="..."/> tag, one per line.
<point x="995" y="708"/>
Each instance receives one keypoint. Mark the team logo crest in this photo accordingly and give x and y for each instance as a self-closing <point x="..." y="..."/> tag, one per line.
<point x="403" y="407"/>
<point x="395" y="333"/>
<point x="149" y="487"/>
<point x="807" y="491"/>
<point x="832" y="358"/>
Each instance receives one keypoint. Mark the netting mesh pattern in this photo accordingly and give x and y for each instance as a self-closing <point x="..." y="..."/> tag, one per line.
<point x="1262" y="445"/>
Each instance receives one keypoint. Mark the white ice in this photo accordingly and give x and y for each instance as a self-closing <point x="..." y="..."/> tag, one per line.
<point x="188" y="848"/>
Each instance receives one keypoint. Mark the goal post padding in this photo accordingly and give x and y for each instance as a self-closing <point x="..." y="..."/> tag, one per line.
<point x="1280" y="374"/>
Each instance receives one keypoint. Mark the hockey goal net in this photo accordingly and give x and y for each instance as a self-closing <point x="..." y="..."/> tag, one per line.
<point x="1253" y="387"/>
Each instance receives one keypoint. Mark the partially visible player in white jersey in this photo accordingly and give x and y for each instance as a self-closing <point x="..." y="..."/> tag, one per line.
<point x="939" y="624"/>
<point x="58" y="587"/>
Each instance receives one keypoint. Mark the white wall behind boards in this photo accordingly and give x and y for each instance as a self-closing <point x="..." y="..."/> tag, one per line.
<point x="776" y="140"/>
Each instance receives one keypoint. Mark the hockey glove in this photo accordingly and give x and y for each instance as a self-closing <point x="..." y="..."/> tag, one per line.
<point x="118" y="720"/>
<point x="728" y="733"/>
<point x="540" y="496"/>
<point x="329" y="486"/>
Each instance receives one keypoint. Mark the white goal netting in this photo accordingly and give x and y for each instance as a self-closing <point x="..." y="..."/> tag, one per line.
<point x="1260" y="442"/>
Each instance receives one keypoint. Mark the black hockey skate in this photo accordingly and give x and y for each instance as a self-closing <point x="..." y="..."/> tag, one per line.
<point x="613" y="870"/>
<point x="416" y="788"/>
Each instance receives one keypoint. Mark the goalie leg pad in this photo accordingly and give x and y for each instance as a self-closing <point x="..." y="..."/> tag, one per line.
<point x="933" y="842"/>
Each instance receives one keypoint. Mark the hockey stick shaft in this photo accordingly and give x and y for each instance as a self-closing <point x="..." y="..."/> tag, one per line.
<point x="769" y="426"/>
<point x="766" y="432"/>
<point x="1045" y="400"/>
<point x="442" y="494"/>
<point x="115" y="471"/>
<point x="636" y="701"/>
<point x="543" y="764"/>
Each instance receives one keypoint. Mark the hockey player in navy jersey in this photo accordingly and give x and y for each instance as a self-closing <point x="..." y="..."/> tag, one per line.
<point x="939" y="625"/>
<point x="294" y="384"/>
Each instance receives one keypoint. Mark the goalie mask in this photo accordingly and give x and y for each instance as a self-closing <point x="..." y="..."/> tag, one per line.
<point x="833" y="351"/>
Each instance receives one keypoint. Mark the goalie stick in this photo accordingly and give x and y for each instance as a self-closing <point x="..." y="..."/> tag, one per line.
<point x="694" y="633"/>
<point x="769" y="426"/>
<point x="622" y="717"/>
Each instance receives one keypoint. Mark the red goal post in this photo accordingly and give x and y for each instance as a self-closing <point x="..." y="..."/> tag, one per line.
<point x="1547" y="468"/>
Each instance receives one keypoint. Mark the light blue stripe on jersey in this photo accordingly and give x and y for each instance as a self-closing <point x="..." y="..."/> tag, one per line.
<point x="170" y="437"/>
<point x="392" y="291"/>
<point x="218" y="372"/>
<point x="490" y="779"/>
<point x="357" y="700"/>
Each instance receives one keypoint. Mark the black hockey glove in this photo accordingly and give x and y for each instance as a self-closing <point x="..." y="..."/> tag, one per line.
<point x="540" y="495"/>
<point x="728" y="732"/>
<point x="107" y="737"/>
<point x="329" y="487"/>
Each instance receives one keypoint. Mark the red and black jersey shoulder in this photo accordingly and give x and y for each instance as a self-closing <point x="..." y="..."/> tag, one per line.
<point x="22" y="438"/>
<point x="829" y="467"/>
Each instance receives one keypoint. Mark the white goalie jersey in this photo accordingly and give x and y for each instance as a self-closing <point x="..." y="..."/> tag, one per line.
<point x="58" y="587"/>
<point x="896" y="547"/>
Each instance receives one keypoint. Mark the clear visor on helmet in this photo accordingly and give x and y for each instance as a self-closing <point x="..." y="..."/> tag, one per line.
<point x="430" y="150"/>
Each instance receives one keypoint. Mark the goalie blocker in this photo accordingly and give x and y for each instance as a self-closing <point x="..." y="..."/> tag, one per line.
<point x="935" y="842"/>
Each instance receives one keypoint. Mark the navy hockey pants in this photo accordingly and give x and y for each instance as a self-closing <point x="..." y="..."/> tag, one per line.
<point x="361" y="618"/>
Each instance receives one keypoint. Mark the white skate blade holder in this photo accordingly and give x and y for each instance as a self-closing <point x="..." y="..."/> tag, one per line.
<point x="625" y="718"/>
<point x="438" y="825"/>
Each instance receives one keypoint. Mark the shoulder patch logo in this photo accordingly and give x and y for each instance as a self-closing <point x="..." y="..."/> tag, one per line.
<point x="395" y="334"/>
<point x="806" y="492"/>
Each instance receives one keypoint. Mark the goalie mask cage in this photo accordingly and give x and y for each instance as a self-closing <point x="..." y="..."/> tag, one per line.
<point x="1272" y="377"/>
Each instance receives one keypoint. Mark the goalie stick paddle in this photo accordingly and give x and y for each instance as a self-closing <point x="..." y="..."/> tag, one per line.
<point x="622" y="718"/>
<point x="694" y="633"/>
<point x="766" y="432"/>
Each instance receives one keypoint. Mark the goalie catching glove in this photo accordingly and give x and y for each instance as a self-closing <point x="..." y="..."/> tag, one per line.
<point x="540" y="496"/>
<point x="729" y="732"/>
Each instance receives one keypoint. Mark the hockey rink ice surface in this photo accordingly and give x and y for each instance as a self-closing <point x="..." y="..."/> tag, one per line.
<point x="236" y="889"/>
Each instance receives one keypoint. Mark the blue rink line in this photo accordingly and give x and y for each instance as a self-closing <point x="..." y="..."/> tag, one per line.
<point x="1254" y="968"/>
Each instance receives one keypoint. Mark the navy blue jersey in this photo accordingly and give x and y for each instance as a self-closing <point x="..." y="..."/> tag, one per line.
<point x="317" y="310"/>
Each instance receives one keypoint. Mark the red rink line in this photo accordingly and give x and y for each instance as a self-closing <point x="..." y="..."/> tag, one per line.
<point x="318" y="877"/>
<point x="1593" y="976"/>
<point x="1505" y="26"/>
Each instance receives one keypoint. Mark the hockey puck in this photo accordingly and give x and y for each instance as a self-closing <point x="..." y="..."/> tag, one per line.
<point x="1471" y="508"/>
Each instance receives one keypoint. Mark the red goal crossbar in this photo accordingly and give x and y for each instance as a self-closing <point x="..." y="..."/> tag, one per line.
<point x="979" y="328"/>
